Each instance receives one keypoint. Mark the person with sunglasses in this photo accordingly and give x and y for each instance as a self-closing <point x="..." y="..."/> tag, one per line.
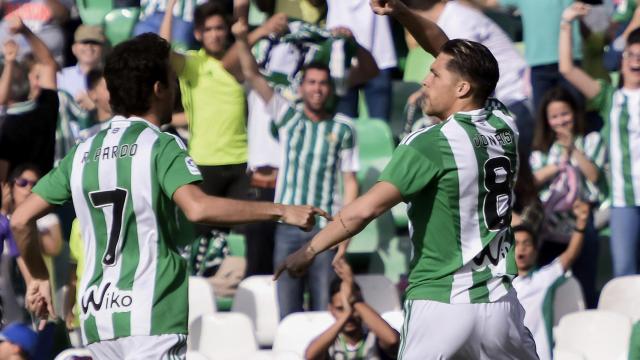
<point x="620" y="110"/>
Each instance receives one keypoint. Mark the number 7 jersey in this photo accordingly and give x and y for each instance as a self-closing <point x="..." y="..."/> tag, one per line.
<point x="457" y="178"/>
<point x="122" y="182"/>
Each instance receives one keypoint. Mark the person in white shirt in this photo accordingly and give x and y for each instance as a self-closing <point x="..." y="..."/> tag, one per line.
<point x="461" y="21"/>
<point x="536" y="286"/>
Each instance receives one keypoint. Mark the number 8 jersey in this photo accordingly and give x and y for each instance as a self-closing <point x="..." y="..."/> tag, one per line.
<point x="121" y="182"/>
<point x="457" y="178"/>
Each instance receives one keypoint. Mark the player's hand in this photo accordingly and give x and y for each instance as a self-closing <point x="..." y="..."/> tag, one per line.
<point x="384" y="7"/>
<point x="303" y="216"/>
<point x="297" y="263"/>
<point x="170" y="5"/>
<point x="342" y="31"/>
<point x="564" y="137"/>
<point x="38" y="300"/>
<point x="576" y="10"/>
<point x="85" y="101"/>
<point x="415" y="98"/>
<point x="10" y="50"/>
<point x="343" y="270"/>
<point x="340" y="253"/>
<point x="581" y="211"/>
<point x="240" y="29"/>
<point x="70" y="320"/>
<point x="277" y="24"/>
<point x="15" y="24"/>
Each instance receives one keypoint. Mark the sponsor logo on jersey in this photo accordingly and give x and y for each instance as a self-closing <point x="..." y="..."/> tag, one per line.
<point x="191" y="166"/>
<point x="503" y="138"/>
<point x="495" y="251"/>
<point x="107" y="298"/>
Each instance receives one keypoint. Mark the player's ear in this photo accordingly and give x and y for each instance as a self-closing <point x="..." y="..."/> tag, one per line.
<point x="160" y="90"/>
<point x="197" y="34"/>
<point x="463" y="89"/>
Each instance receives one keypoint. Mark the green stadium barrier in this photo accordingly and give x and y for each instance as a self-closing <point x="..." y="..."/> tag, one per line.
<point x="119" y="24"/>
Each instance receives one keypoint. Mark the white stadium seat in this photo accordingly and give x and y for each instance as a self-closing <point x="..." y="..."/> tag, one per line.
<point x="194" y="355"/>
<point x="566" y="355"/>
<point x="379" y="292"/>
<point x="568" y="299"/>
<point x="70" y="354"/>
<point x="622" y="295"/>
<point x="256" y="298"/>
<point x="594" y="334"/>
<point x="201" y="298"/>
<point x="395" y="319"/>
<point x="297" y="330"/>
<point x="226" y="336"/>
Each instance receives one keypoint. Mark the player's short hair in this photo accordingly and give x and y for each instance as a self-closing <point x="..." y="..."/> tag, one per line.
<point x="422" y="5"/>
<point x="316" y="65"/>
<point x="528" y="229"/>
<point x="474" y="63"/>
<point x="131" y="70"/>
<point x="93" y="78"/>
<point x="634" y="37"/>
<point x="207" y="10"/>
<point x="334" y="287"/>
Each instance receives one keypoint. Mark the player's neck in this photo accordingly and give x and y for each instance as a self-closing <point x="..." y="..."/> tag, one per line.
<point x="523" y="272"/>
<point x="315" y="116"/>
<point x="462" y="106"/>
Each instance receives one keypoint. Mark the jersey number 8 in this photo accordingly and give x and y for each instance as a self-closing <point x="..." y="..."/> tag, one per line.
<point x="497" y="201"/>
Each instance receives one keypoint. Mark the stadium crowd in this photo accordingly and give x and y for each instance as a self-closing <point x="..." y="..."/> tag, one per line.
<point x="301" y="102"/>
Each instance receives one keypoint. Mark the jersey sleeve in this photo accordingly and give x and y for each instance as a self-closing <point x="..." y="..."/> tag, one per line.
<point x="191" y="64"/>
<point x="536" y="160"/>
<point x="602" y="101"/>
<point x="280" y="110"/>
<point x="349" y="154"/>
<point x="595" y="149"/>
<point x="409" y="171"/>
<point x="174" y="166"/>
<point x="55" y="187"/>
<point x="548" y="274"/>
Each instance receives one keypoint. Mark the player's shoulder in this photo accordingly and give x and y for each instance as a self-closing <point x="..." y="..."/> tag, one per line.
<point x="424" y="136"/>
<point x="169" y="139"/>
<point x="345" y="121"/>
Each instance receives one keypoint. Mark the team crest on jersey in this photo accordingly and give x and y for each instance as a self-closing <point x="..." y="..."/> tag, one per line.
<point x="107" y="298"/>
<point x="191" y="165"/>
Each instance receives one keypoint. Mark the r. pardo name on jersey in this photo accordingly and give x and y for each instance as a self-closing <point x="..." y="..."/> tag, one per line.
<point x="111" y="152"/>
<point x="105" y="298"/>
<point x="502" y="138"/>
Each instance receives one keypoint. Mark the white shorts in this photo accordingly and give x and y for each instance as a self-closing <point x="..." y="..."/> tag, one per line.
<point x="157" y="347"/>
<point x="492" y="331"/>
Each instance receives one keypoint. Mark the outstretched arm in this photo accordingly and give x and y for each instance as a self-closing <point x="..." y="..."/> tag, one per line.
<point x="576" y="76"/>
<point x="248" y="63"/>
<point x="177" y="59"/>
<point x="202" y="208"/>
<point x="568" y="257"/>
<point x="10" y="51"/>
<point x="349" y="222"/>
<point x="41" y="53"/>
<point x="426" y="32"/>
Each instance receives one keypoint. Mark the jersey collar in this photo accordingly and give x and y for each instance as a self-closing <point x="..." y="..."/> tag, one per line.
<point x="121" y="119"/>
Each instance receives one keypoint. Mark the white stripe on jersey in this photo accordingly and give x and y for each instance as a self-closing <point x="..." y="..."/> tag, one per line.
<point x="470" y="241"/>
<point x="409" y="138"/>
<point x="307" y="149"/>
<point x="331" y="154"/>
<point x="108" y="180"/>
<point x="84" y="217"/>
<point x="141" y="191"/>
<point x="634" y="146"/>
<point x="315" y="165"/>
<point x="617" y="180"/>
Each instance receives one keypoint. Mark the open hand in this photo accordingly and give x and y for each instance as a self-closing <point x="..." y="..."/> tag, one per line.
<point x="303" y="216"/>
<point x="384" y="7"/>
<point x="240" y="29"/>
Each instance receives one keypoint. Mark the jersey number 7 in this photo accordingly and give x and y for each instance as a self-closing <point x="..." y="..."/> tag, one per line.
<point x="117" y="199"/>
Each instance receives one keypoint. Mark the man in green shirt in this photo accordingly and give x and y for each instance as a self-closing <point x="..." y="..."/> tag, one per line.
<point x="125" y="183"/>
<point x="457" y="178"/>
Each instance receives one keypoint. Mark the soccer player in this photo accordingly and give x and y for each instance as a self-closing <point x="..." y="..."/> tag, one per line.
<point x="457" y="178"/>
<point x="125" y="183"/>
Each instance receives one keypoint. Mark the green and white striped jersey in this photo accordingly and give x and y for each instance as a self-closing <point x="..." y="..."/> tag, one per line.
<point x="121" y="181"/>
<point x="620" y="110"/>
<point x="313" y="156"/>
<point x="593" y="146"/>
<point x="457" y="178"/>
<point x="184" y="8"/>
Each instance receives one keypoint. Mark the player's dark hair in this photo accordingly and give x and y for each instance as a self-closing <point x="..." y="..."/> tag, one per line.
<point x="207" y="10"/>
<point x="93" y="78"/>
<point x="474" y="63"/>
<point x="634" y="37"/>
<point x="544" y="136"/>
<point x="18" y="170"/>
<point x="132" y="69"/>
<point x="528" y="229"/>
<point x="422" y="5"/>
<point x="334" y="287"/>
<point x="315" y="65"/>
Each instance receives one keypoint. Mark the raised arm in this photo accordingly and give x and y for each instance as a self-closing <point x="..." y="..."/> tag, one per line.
<point x="427" y="33"/>
<point x="569" y="256"/>
<point x="276" y="24"/>
<point x="248" y="63"/>
<point x="41" y="53"/>
<point x="10" y="51"/>
<point x="366" y="67"/>
<point x="587" y="85"/>
<point x="177" y="59"/>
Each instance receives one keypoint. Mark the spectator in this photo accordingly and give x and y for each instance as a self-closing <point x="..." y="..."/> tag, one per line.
<point x="317" y="147"/>
<point x="43" y="17"/>
<point x="311" y="11"/>
<point x="372" y="32"/>
<point x="561" y="149"/>
<point x="153" y="11"/>
<point x="540" y="19"/>
<point x="18" y="341"/>
<point x="347" y="338"/>
<point x="28" y="131"/>
<point x="12" y="252"/>
<point x="305" y="43"/>
<point x="460" y="21"/>
<point x="88" y="48"/>
<point x="622" y="136"/>
<point x="214" y="101"/>
<point x="99" y="95"/>
<point x="535" y="286"/>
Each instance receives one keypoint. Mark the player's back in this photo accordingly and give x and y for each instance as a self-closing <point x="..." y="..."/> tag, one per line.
<point x="122" y="180"/>
<point x="460" y="219"/>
